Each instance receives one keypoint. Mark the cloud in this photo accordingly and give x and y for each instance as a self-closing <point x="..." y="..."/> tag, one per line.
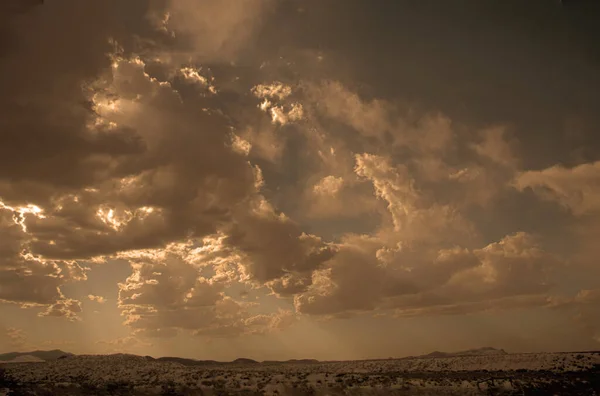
<point x="29" y="289"/>
<point x="177" y="137"/>
<point x="47" y="106"/>
<point x="496" y="148"/>
<point x="515" y="265"/>
<point x="329" y="185"/>
<point x="334" y="198"/>
<point x="468" y="165"/>
<point x="98" y="299"/>
<point x="150" y="201"/>
<point x="272" y="245"/>
<point x="48" y="149"/>
<point x="215" y="29"/>
<point x="27" y="279"/>
<point x="116" y="161"/>
<point x="573" y="188"/>
<point x="413" y="215"/>
<point x="67" y="308"/>
<point x="388" y="122"/>
<point x="506" y="303"/>
<point x="583" y="307"/>
<point x="369" y="118"/>
<point x="425" y="250"/>
<point x="167" y="293"/>
<point x="11" y="337"/>
<point x="58" y="344"/>
<point x="261" y="324"/>
<point x="574" y="191"/>
<point x="172" y="190"/>
<point x="365" y="276"/>
<point x="276" y="105"/>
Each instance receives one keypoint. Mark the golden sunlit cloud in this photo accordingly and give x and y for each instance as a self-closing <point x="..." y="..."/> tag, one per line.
<point x="20" y="213"/>
<point x="276" y="90"/>
<point x="98" y="299"/>
<point x="329" y="185"/>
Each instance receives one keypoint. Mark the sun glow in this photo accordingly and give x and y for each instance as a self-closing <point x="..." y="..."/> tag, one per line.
<point x="105" y="105"/>
<point x="119" y="218"/>
<point x="115" y="221"/>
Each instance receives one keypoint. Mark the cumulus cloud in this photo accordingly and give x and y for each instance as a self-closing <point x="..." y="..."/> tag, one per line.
<point x="48" y="106"/>
<point x="67" y="308"/>
<point x="365" y="276"/>
<point x="167" y="293"/>
<point x="413" y="216"/>
<point x="329" y="185"/>
<point x="574" y="188"/>
<point x="574" y="192"/>
<point x="31" y="280"/>
<point x="280" y="110"/>
<point x="370" y="118"/>
<point x="98" y="299"/>
<point x="274" y="246"/>
<point x="514" y="265"/>
<point x="129" y="163"/>
<point x="213" y="30"/>
<point x="470" y="166"/>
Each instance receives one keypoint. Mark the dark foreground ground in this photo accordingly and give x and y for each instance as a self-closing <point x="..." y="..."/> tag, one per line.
<point x="125" y="375"/>
<point x="472" y="383"/>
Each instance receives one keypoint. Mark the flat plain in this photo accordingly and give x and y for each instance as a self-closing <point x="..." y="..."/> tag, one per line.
<point x="576" y="373"/>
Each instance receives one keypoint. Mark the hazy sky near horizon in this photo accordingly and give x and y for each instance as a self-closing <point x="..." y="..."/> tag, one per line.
<point x="275" y="179"/>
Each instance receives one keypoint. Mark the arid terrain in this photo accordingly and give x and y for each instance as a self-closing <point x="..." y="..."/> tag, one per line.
<point x="434" y="374"/>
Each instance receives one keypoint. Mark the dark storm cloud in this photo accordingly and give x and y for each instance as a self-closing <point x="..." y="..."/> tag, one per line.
<point x="44" y="115"/>
<point x="100" y="158"/>
<point x="531" y="65"/>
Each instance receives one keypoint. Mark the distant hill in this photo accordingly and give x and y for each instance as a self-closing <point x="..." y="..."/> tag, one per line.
<point x="244" y="361"/>
<point x="291" y="361"/>
<point x="188" y="362"/>
<point x="41" y="355"/>
<point x="194" y="362"/>
<point x="23" y="359"/>
<point x="485" y="351"/>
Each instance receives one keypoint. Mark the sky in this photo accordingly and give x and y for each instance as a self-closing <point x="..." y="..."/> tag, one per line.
<point x="279" y="179"/>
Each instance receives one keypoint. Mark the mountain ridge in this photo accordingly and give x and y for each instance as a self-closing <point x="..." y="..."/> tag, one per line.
<point x="54" y="354"/>
<point x="40" y="354"/>
<point x="484" y="351"/>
